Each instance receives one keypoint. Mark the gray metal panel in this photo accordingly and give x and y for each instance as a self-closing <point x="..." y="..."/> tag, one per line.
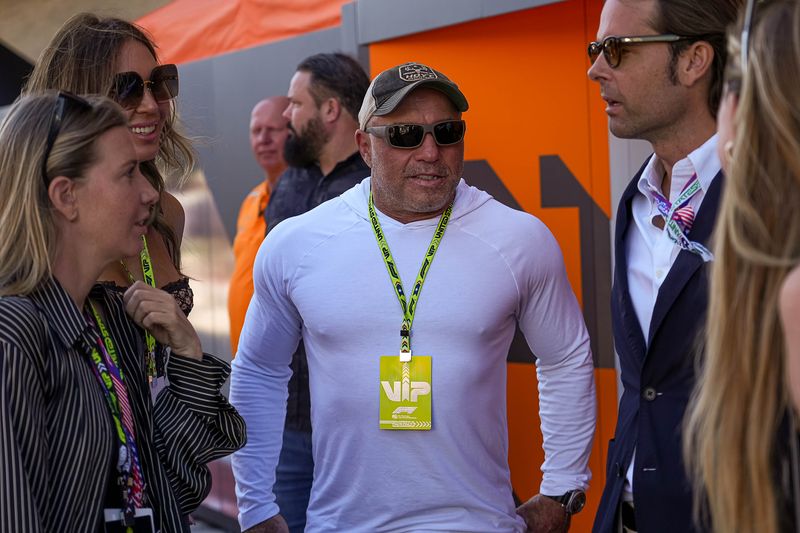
<point x="216" y="98"/>
<point x="625" y="157"/>
<point x="493" y="8"/>
<point x="349" y="32"/>
<point x="379" y="20"/>
<point x="349" y="29"/>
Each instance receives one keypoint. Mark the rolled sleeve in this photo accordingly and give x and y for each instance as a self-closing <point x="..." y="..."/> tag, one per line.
<point x="197" y="383"/>
<point x="195" y="424"/>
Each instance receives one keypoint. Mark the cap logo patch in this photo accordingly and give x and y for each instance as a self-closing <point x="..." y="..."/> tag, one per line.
<point x="416" y="72"/>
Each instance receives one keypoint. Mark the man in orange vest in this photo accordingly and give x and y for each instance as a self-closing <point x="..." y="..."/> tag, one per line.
<point x="268" y="132"/>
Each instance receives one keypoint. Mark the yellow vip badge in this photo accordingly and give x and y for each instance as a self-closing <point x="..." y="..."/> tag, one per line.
<point x="405" y="393"/>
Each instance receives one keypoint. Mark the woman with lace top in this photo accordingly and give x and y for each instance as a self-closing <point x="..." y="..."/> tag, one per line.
<point x="113" y="57"/>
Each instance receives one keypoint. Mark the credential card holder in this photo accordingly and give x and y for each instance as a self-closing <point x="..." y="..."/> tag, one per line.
<point x="143" y="521"/>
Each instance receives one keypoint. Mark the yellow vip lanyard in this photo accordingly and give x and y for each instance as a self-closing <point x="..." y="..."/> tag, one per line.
<point x="149" y="277"/>
<point x="409" y="307"/>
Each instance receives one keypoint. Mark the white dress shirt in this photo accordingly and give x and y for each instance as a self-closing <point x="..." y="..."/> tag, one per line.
<point x="649" y="249"/>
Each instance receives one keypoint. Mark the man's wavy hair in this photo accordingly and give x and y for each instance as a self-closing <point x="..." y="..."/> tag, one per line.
<point x="700" y="20"/>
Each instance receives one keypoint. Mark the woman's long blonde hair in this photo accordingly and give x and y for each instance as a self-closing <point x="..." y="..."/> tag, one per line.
<point x="741" y="396"/>
<point x="81" y="58"/>
<point x="28" y="235"/>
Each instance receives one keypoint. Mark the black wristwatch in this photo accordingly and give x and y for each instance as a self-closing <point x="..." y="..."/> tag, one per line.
<point x="572" y="501"/>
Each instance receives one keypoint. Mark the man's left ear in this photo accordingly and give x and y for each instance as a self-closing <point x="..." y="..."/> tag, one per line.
<point x="61" y="192"/>
<point x="330" y="110"/>
<point x="694" y="62"/>
<point x="364" y="146"/>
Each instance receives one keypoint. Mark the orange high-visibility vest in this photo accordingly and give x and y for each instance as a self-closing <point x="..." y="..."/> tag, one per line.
<point x="251" y="228"/>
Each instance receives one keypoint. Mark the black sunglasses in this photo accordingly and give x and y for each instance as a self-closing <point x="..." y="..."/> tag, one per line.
<point x="409" y="136"/>
<point x="128" y="89"/>
<point x="612" y="46"/>
<point x="64" y="102"/>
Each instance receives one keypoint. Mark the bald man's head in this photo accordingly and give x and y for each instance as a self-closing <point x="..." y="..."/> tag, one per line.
<point x="268" y="132"/>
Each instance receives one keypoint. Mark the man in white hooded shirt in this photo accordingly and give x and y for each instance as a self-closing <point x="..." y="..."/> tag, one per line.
<point x="408" y="380"/>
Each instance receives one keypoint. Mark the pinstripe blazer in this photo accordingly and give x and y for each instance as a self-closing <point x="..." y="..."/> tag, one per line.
<point x="57" y="438"/>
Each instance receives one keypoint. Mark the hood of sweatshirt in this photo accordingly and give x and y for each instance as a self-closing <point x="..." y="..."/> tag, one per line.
<point x="468" y="199"/>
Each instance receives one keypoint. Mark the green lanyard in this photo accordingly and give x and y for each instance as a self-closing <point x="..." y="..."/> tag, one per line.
<point x="149" y="277"/>
<point x="409" y="308"/>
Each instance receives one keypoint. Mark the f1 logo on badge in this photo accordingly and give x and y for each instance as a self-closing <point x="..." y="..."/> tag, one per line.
<point x="400" y="411"/>
<point x="402" y="392"/>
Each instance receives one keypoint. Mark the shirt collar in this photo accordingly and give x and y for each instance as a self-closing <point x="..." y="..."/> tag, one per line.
<point x="60" y="312"/>
<point x="703" y="160"/>
<point x="354" y="160"/>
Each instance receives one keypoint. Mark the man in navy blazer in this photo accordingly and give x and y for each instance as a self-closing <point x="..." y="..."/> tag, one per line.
<point x="659" y="64"/>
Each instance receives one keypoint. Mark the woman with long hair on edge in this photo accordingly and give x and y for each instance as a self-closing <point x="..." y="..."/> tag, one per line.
<point x="742" y="438"/>
<point x="113" y="57"/>
<point x="84" y="447"/>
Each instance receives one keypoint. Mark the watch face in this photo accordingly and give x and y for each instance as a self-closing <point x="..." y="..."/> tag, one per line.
<point x="576" y="502"/>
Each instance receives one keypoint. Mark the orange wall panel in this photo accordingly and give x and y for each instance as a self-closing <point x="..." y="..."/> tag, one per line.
<point x="525" y="440"/>
<point x="524" y="75"/>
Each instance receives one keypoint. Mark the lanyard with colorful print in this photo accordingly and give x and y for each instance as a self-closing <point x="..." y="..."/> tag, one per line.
<point x="679" y="217"/>
<point x="108" y="371"/>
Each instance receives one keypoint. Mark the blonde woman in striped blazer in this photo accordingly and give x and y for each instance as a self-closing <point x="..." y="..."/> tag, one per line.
<point x="81" y="441"/>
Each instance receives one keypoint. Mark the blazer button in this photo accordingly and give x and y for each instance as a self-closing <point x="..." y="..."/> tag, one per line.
<point x="649" y="394"/>
<point x="620" y="471"/>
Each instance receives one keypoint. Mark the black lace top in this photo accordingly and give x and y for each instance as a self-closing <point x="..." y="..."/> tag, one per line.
<point x="182" y="292"/>
<point x="786" y="475"/>
<point x="179" y="289"/>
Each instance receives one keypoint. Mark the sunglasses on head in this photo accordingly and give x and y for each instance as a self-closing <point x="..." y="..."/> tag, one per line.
<point x="128" y="89"/>
<point x="408" y="136"/>
<point x="733" y="81"/>
<point x="613" y="46"/>
<point x="64" y="103"/>
<point x="745" y="39"/>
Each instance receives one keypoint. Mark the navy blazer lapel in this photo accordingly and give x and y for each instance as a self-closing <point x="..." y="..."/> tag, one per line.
<point x="687" y="263"/>
<point x="630" y="321"/>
